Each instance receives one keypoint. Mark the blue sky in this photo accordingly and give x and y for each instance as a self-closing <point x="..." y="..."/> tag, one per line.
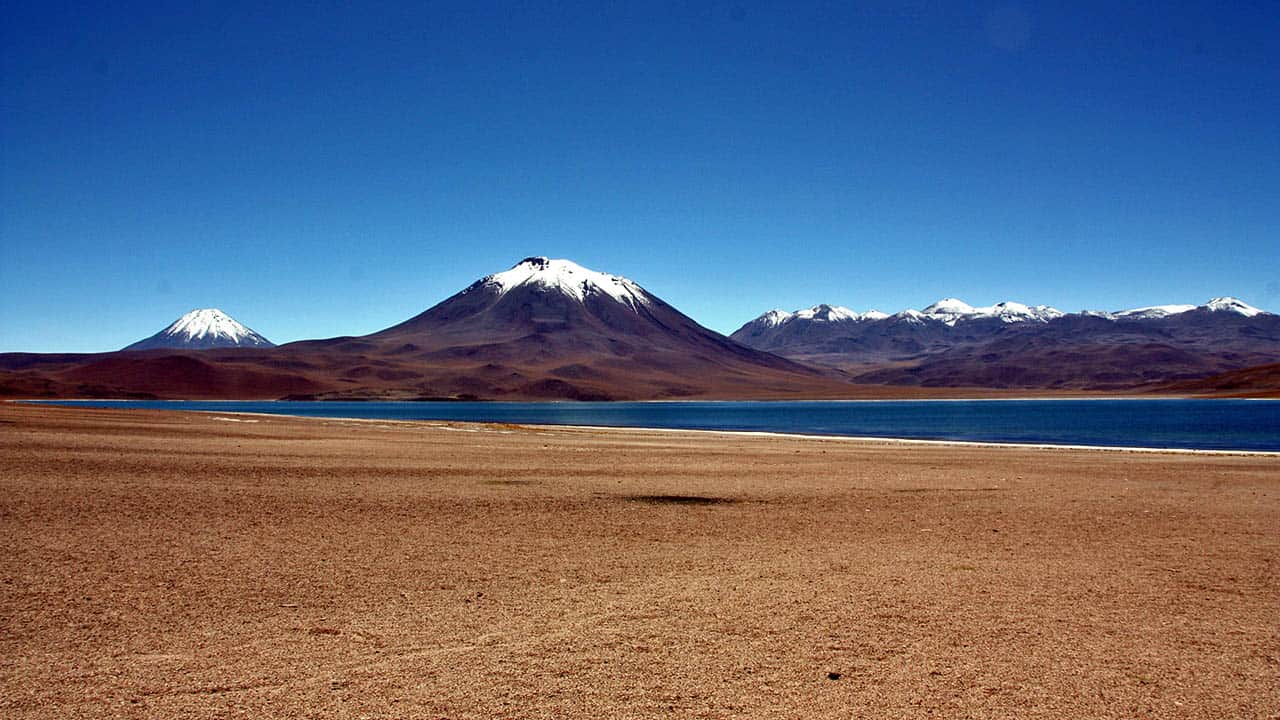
<point x="324" y="169"/>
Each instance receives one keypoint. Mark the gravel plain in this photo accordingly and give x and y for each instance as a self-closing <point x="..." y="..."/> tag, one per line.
<point x="172" y="565"/>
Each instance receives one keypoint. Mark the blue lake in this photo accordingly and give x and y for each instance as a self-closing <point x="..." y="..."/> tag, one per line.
<point x="1192" y="424"/>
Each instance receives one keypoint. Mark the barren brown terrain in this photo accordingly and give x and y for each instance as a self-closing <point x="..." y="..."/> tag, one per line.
<point x="1258" y="382"/>
<point x="168" y="565"/>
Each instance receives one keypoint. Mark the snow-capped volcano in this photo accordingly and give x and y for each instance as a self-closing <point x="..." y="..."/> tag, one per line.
<point x="203" y="329"/>
<point x="552" y="328"/>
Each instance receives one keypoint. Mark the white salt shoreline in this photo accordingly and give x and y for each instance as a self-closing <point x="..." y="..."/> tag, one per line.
<point x="445" y="424"/>
<point x="743" y="433"/>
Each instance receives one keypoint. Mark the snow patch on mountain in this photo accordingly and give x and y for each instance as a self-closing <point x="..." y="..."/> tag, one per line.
<point x="1230" y="304"/>
<point x="567" y="277"/>
<point x="827" y="313"/>
<point x="817" y="313"/>
<point x="915" y="317"/>
<point x="948" y="310"/>
<point x="951" y="310"/>
<point x="1225" y="304"/>
<point x="1017" y="312"/>
<point x="773" y="318"/>
<point x="1154" y="312"/>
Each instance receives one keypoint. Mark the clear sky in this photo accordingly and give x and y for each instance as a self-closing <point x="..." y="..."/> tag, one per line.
<point x="325" y="169"/>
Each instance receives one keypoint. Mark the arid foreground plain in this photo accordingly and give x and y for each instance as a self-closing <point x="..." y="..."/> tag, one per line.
<point x="192" y="565"/>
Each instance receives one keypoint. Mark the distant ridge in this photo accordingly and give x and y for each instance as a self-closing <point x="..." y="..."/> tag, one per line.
<point x="950" y="311"/>
<point x="1011" y="345"/>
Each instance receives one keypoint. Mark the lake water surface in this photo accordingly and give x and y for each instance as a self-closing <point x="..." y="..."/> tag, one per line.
<point x="1191" y="424"/>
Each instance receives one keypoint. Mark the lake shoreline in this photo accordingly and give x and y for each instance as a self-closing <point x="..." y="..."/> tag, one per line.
<point x="871" y="439"/>
<point x="1145" y="424"/>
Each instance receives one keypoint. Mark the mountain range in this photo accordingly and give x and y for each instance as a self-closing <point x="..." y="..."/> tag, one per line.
<point x="542" y="329"/>
<point x="551" y="329"/>
<point x="1011" y="345"/>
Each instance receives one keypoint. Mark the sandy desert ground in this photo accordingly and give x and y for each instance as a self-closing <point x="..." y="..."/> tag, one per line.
<point x="189" y="565"/>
